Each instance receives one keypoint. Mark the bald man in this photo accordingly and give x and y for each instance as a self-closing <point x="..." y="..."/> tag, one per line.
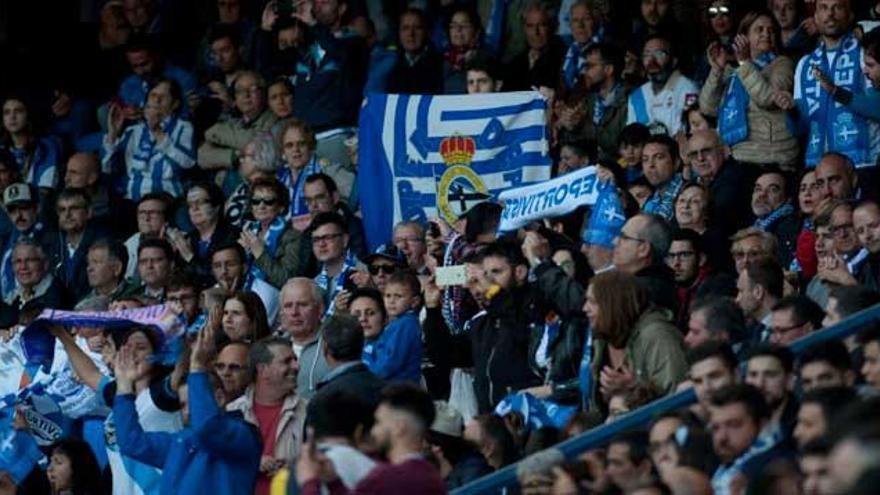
<point x="84" y="172"/>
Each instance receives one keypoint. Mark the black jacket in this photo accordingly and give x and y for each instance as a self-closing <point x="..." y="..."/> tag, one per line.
<point x="545" y="72"/>
<point x="357" y="381"/>
<point x="70" y="271"/>
<point x="54" y="297"/>
<point x="730" y="208"/>
<point x="659" y="281"/>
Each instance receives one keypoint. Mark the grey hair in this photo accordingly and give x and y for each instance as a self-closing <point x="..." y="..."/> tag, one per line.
<point x="540" y="6"/>
<point x="541" y="462"/>
<point x="409" y="223"/>
<point x="260" y="352"/>
<point x="313" y="287"/>
<point x="658" y="233"/>
<point x="31" y="242"/>
<point x="265" y="152"/>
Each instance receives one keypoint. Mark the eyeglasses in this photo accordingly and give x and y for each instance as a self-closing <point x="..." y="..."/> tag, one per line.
<point x="718" y="10"/>
<point x="680" y="256"/>
<point x="320" y="239"/>
<point x="626" y="237"/>
<point x="263" y="201"/>
<point x="694" y="154"/>
<point x="386" y="269"/>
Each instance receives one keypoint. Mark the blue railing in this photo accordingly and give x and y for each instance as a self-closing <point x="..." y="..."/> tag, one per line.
<point x="642" y="417"/>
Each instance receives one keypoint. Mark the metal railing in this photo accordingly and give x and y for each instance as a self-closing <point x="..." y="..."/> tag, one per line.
<point x="641" y="417"/>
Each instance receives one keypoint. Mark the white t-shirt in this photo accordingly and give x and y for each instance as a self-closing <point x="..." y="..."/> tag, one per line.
<point x="664" y="107"/>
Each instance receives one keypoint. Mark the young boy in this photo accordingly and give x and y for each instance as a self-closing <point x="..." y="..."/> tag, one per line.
<point x="396" y="354"/>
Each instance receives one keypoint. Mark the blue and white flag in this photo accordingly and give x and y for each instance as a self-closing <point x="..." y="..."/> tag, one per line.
<point x="606" y="219"/>
<point x="548" y="199"/>
<point x="536" y="413"/>
<point x="424" y="156"/>
<point x="19" y="452"/>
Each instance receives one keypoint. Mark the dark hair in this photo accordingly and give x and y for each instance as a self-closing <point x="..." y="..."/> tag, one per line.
<point x="833" y="352"/>
<point x="370" y="293"/>
<point x="611" y="54"/>
<point x="411" y="399"/>
<point x="181" y="279"/>
<point x="173" y="88"/>
<point x="161" y="197"/>
<point x="688" y="235"/>
<point x="472" y="15"/>
<point x="664" y="140"/>
<point x="713" y="349"/>
<point x="242" y="255"/>
<point x="482" y="218"/>
<point x="84" y="470"/>
<point x="140" y="43"/>
<point x="157" y="243"/>
<point x="774" y="169"/>
<point x="747" y="395"/>
<point x="749" y="18"/>
<point x="338" y="413"/>
<point x="854" y="298"/>
<point x="767" y="273"/>
<point x="781" y="353"/>
<point x="483" y="63"/>
<point x="871" y="334"/>
<point x="871" y="44"/>
<point x="831" y="400"/>
<point x="215" y="194"/>
<point x="255" y="310"/>
<point x="115" y="250"/>
<point x="328" y="181"/>
<point x="686" y="123"/>
<point x="722" y="314"/>
<point x="804" y="309"/>
<point x="328" y="218"/>
<point x="280" y="191"/>
<point x="507" y="250"/>
<point x="73" y="193"/>
<point x="496" y="430"/>
<point x="343" y="337"/>
<point x="637" y="443"/>
<point x="220" y="31"/>
<point x="622" y="301"/>
<point x="406" y="277"/>
<point x="633" y="134"/>
<point x="820" y="446"/>
<point x="667" y="37"/>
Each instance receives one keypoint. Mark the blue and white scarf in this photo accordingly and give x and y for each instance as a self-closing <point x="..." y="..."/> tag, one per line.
<point x="494" y="32"/>
<point x="273" y="235"/>
<point x="323" y="282"/>
<point x="831" y="125"/>
<point x="602" y="104"/>
<point x="774" y="216"/>
<point x="298" y="204"/>
<point x="662" y="202"/>
<point x="585" y="372"/>
<point x="766" y="440"/>
<point x="734" y="123"/>
<point x="575" y="57"/>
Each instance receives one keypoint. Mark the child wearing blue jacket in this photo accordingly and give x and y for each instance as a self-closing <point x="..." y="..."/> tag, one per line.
<point x="216" y="453"/>
<point x="396" y="353"/>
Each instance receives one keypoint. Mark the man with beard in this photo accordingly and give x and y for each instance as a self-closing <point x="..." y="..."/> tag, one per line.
<point x="603" y="113"/>
<point x="770" y="369"/>
<point x="272" y="405"/>
<point x="688" y="263"/>
<point x="660" y="102"/>
<point x="835" y="64"/>
<point x="774" y="214"/>
<point x="661" y="164"/>
<point x="401" y="424"/>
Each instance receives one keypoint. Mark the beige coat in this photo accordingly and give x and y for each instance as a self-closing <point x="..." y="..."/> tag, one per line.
<point x="224" y="139"/>
<point x="291" y="425"/>
<point x="769" y="139"/>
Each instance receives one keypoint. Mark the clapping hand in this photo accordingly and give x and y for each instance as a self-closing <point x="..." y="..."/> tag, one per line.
<point x="741" y="48"/>
<point x="614" y="380"/>
<point x="204" y="348"/>
<point x="252" y="243"/>
<point x="126" y="369"/>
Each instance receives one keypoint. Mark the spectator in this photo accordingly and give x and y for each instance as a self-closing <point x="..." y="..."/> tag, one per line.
<point x="770" y="369"/>
<point x="818" y="408"/>
<point x="774" y="213"/>
<point x="750" y="117"/>
<point x="623" y="320"/>
<point x="396" y="353"/>
<point x="147" y="69"/>
<point x="329" y="238"/>
<point x="204" y="202"/>
<point x="717" y="319"/>
<point x="225" y="140"/>
<point x="271" y="243"/>
<point x="713" y="366"/>
<point x="409" y="237"/>
<point x="794" y="317"/>
<point x="493" y="439"/>
<point x="402" y="421"/>
<point x="244" y="318"/>
<point x="302" y="307"/>
<point x="279" y="95"/>
<point x="322" y="196"/>
<point x="298" y="151"/>
<point x="692" y="213"/>
<point x="155" y="263"/>
<point x="661" y="166"/>
<point x="22" y="205"/>
<point x="272" y="405"/>
<point x="650" y="104"/>
<point x="386" y="260"/>
<point x="36" y="156"/>
<point x="814" y="466"/>
<point x="851" y="136"/>
<point x="870" y="342"/>
<point x="155" y="152"/>
<point x="483" y="76"/>
<point x="459" y="461"/>
<point x="738" y="419"/>
<point x="229" y="271"/>
<point x="105" y="268"/>
<point x="152" y="222"/>
<point x="417" y="68"/>
<point x="687" y="260"/>
<point x="628" y="462"/>
<point x="866" y="221"/>
<point x="231" y="367"/>
<point x="258" y="161"/>
<point x="73" y="468"/>
<point x="215" y="452"/>
<point x="824" y="366"/>
<point x="586" y="27"/>
<point x="540" y="63"/>
<point x="84" y="172"/>
<point x="68" y="247"/>
<point x="343" y="347"/>
<point x="641" y="250"/>
<point x="845" y="301"/>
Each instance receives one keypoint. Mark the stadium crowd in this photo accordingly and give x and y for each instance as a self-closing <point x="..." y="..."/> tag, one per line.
<point x="203" y="155"/>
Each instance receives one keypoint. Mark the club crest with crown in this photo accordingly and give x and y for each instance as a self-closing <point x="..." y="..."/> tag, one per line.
<point x="460" y="188"/>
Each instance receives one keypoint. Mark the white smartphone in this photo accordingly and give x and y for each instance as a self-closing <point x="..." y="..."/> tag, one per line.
<point x="446" y="276"/>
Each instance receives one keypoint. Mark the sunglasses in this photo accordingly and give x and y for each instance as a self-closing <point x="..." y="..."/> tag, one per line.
<point x="386" y="269"/>
<point x="719" y="10"/>
<point x="263" y="201"/>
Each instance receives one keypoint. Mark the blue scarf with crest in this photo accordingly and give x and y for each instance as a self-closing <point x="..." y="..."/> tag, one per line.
<point x="273" y="235"/>
<point x="831" y="125"/>
<point x="774" y="216"/>
<point x="733" y="124"/>
<point x="575" y="58"/>
<point x="323" y="282"/>
<point x="298" y="204"/>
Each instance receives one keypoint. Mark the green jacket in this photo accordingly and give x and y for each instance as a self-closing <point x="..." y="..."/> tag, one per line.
<point x="224" y="139"/>
<point x="606" y="133"/>
<point x="655" y="352"/>
<point x="286" y="262"/>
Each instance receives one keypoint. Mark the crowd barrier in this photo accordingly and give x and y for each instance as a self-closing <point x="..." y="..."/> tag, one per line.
<point x="642" y="417"/>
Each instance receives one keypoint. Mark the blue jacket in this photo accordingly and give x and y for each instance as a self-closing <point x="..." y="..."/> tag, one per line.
<point x="217" y="453"/>
<point x="396" y="355"/>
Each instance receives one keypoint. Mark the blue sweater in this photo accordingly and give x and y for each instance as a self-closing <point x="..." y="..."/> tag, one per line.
<point x="396" y="355"/>
<point x="217" y="453"/>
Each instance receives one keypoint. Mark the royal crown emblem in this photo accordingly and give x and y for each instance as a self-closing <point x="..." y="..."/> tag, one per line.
<point x="458" y="150"/>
